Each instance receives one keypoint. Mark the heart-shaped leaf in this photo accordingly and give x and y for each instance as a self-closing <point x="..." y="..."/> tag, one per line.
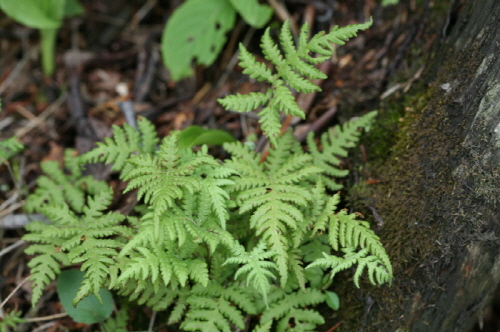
<point x="88" y="310"/>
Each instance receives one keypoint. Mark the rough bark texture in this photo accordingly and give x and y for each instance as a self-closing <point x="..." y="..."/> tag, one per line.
<point x="440" y="204"/>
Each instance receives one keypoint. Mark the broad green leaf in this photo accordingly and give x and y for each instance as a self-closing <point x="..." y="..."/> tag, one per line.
<point x="88" y="310"/>
<point x="73" y="7"/>
<point x="196" y="135"/>
<point x="253" y="12"/>
<point x="333" y="300"/>
<point x="195" y="31"/>
<point x="389" y="2"/>
<point x="46" y="14"/>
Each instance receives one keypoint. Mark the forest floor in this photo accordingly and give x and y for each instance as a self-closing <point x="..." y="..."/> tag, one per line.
<point x="112" y="54"/>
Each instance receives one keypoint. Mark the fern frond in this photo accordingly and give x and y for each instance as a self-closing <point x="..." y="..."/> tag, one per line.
<point x="96" y="262"/>
<point x="295" y="266"/>
<point x="215" y="308"/>
<point x="274" y="197"/>
<point x="255" y="267"/>
<point x="322" y="211"/>
<point x="377" y="272"/>
<point x="9" y="148"/>
<point x="284" y="101"/>
<point x="149" y="137"/>
<point x="54" y="188"/>
<point x="213" y="191"/>
<point x="346" y="231"/>
<point x="118" y="323"/>
<point x="292" y="306"/>
<point x="293" y="71"/>
<point x="161" y="262"/>
<point x="44" y="267"/>
<point x="266" y="327"/>
<point x="57" y="187"/>
<point x="123" y="144"/>
<point x="116" y="149"/>
<point x="180" y="305"/>
<point x="164" y="178"/>
<point x="341" y="35"/>
<point x="335" y="143"/>
<point x="87" y="239"/>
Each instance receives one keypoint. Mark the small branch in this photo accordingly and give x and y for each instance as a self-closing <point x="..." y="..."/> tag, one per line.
<point x="12" y="293"/>
<point x="152" y="322"/>
<point x="42" y="117"/>
<point x="12" y="247"/>
<point x="44" y="318"/>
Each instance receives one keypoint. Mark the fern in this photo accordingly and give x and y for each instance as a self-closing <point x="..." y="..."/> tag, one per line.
<point x="85" y="239"/>
<point x="335" y="143"/>
<point x="58" y="186"/>
<point x="256" y="268"/>
<point x="288" y="306"/>
<point x="118" y="323"/>
<point x="9" y="148"/>
<point x="215" y="308"/>
<point x="270" y="191"/>
<point x="294" y="67"/>
<point x="125" y="142"/>
<point x="11" y="320"/>
<point x="215" y="242"/>
<point x="377" y="271"/>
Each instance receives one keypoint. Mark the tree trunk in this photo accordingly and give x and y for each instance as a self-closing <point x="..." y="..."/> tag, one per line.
<point x="440" y="204"/>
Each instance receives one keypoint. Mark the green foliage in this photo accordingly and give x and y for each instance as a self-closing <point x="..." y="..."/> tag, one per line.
<point x="288" y="306"/>
<point x="126" y="141"/>
<point x="213" y="242"/>
<point x="197" y="31"/>
<point x="10" y="320"/>
<point x="117" y="323"/>
<point x="45" y="15"/>
<point x="254" y="13"/>
<point x="196" y="135"/>
<point x="9" y="148"/>
<point x="335" y="143"/>
<point x="333" y="300"/>
<point x="293" y="70"/>
<point x="88" y="310"/>
<point x="389" y="2"/>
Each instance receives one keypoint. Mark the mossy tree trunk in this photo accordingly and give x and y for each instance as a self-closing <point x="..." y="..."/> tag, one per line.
<point x="440" y="202"/>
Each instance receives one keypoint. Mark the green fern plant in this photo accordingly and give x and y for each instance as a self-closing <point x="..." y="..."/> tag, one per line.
<point x="216" y="243"/>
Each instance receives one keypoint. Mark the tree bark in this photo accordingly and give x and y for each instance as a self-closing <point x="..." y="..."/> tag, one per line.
<point x="440" y="204"/>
